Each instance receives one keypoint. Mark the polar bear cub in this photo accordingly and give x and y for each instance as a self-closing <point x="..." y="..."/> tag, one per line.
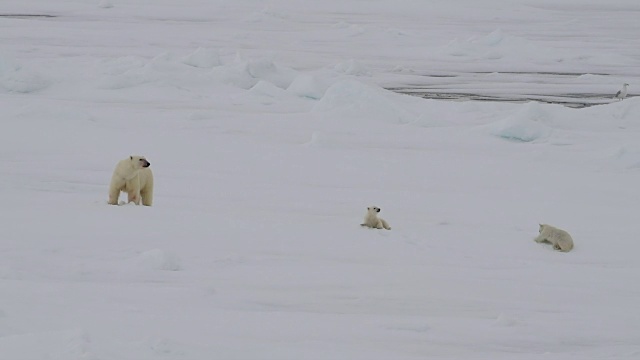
<point x="372" y="220"/>
<point x="560" y="239"/>
<point x="133" y="176"/>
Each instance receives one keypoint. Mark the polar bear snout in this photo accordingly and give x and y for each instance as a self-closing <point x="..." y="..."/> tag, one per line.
<point x="144" y="163"/>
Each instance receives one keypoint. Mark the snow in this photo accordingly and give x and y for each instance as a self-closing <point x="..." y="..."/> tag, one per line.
<point x="526" y="125"/>
<point x="270" y="129"/>
<point x="203" y="58"/>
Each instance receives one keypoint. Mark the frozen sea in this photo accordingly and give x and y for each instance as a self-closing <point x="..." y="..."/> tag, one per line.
<point x="271" y="126"/>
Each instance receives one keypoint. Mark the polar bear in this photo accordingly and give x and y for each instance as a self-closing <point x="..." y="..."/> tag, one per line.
<point x="560" y="239"/>
<point x="133" y="176"/>
<point x="372" y="220"/>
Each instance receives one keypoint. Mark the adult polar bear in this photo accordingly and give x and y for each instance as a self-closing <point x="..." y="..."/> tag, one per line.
<point x="133" y="176"/>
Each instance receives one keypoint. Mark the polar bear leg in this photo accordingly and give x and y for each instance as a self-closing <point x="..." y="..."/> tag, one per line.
<point x="147" y="197"/>
<point x="146" y="186"/>
<point x="114" y="192"/>
<point x="385" y="224"/>
<point x="540" y="239"/>
<point x="113" y="196"/>
<point x="134" y="196"/>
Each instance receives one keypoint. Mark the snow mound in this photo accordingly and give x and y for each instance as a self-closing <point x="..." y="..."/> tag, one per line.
<point x="352" y="67"/>
<point x="350" y="98"/>
<point x="266" y="93"/>
<point x="308" y="86"/>
<point x="264" y="69"/>
<point x="15" y="78"/>
<point x="127" y="72"/>
<point x="158" y="259"/>
<point x="201" y="68"/>
<point x="264" y="88"/>
<point x="235" y="74"/>
<point x="246" y="74"/>
<point x="203" y="58"/>
<point x="525" y="126"/>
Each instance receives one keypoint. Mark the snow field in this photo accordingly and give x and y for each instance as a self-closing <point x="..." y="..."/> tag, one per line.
<point x="269" y="134"/>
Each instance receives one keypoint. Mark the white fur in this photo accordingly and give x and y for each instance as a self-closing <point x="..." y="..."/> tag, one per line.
<point x="560" y="239"/>
<point x="372" y="220"/>
<point x="133" y="176"/>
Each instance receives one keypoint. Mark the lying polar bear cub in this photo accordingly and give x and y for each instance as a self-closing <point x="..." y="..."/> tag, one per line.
<point x="133" y="176"/>
<point x="372" y="220"/>
<point x="560" y="239"/>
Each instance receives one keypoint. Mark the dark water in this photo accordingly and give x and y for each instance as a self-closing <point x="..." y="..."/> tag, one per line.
<point x="574" y="100"/>
<point x="26" y="16"/>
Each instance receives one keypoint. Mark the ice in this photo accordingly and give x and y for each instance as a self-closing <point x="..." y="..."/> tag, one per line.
<point x="270" y="129"/>
<point x="525" y="126"/>
<point x="203" y="58"/>
<point x="352" y="99"/>
<point x="267" y="89"/>
<point x="164" y="69"/>
<point x="353" y="67"/>
<point x="308" y="86"/>
<point x="246" y="74"/>
<point x="267" y="70"/>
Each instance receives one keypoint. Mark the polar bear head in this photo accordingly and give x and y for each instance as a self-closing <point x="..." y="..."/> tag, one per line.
<point x="138" y="162"/>
<point x="373" y="209"/>
<point x="542" y="226"/>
